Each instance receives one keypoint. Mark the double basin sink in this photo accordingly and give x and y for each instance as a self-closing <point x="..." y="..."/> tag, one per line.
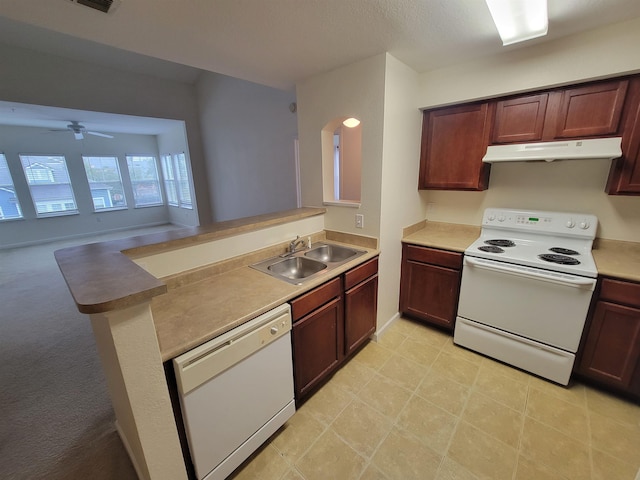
<point x="306" y="264"/>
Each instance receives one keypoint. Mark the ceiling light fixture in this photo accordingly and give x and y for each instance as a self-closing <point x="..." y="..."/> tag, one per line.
<point x="519" y="20"/>
<point x="351" y="122"/>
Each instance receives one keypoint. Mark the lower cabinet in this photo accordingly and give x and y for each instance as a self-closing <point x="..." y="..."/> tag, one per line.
<point x="611" y="345"/>
<point x="330" y="322"/>
<point x="430" y="284"/>
<point x="317" y="341"/>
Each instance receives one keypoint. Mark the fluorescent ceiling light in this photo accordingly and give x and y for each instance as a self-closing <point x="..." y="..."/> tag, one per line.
<point x="351" y="122"/>
<point x="519" y="20"/>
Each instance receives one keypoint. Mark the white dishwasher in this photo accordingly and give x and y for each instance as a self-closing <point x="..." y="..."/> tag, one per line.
<point x="236" y="391"/>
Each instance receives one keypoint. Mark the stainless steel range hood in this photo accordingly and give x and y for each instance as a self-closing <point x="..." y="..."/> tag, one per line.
<point x="597" y="148"/>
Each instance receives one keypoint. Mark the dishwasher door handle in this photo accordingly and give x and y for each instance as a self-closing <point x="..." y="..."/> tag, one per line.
<point x="205" y="362"/>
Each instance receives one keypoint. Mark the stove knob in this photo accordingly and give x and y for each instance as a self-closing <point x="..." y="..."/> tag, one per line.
<point x="502" y="218"/>
<point x="491" y="217"/>
<point x="571" y="223"/>
<point x="584" y="225"/>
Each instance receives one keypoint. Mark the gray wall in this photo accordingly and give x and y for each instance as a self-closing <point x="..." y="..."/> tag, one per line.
<point x="247" y="130"/>
<point x="248" y="136"/>
<point x="30" y="229"/>
<point x="41" y="79"/>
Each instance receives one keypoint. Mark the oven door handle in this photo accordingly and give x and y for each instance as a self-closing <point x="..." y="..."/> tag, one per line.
<point x="577" y="282"/>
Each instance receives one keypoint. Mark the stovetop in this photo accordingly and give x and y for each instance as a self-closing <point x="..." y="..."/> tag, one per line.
<point x="555" y="241"/>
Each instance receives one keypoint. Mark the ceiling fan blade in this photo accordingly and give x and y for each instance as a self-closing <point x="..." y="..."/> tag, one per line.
<point x="98" y="134"/>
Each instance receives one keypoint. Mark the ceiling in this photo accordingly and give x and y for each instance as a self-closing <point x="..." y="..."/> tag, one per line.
<point x="278" y="42"/>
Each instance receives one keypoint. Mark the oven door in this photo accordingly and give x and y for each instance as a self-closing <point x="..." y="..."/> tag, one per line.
<point x="540" y="305"/>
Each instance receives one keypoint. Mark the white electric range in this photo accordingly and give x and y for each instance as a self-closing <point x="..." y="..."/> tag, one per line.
<point x="526" y="287"/>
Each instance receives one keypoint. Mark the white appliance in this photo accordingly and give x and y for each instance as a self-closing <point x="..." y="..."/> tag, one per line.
<point x="588" y="149"/>
<point x="236" y="391"/>
<point x="526" y="287"/>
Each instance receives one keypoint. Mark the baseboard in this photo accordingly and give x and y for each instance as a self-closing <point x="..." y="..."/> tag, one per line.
<point x="43" y="241"/>
<point x="379" y="332"/>
<point x="127" y="447"/>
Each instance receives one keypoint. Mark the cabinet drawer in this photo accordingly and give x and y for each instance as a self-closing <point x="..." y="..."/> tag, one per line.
<point x="618" y="291"/>
<point x="315" y="298"/>
<point x="360" y="273"/>
<point x="434" y="256"/>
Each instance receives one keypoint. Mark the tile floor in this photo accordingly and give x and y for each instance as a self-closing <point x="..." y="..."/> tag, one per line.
<point x="415" y="406"/>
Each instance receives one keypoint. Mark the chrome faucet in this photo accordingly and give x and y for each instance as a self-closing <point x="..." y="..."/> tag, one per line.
<point x="295" y="244"/>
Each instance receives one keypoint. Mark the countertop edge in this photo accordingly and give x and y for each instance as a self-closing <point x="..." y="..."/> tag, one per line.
<point x="613" y="258"/>
<point x="102" y="276"/>
<point x="281" y="293"/>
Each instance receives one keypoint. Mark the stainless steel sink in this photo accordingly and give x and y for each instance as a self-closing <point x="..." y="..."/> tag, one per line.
<point x="331" y="253"/>
<point x="296" y="268"/>
<point x="303" y="265"/>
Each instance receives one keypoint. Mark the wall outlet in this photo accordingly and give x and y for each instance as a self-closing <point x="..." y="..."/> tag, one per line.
<point x="359" y="220"/>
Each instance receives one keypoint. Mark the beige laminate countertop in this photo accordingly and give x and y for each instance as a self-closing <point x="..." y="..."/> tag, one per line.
<point x="102" y="277"/>
<point x="188" y="316"/>
<point x="617" y="259"/>
<point x="613" y="258"/>
<point x="448" y="236"/>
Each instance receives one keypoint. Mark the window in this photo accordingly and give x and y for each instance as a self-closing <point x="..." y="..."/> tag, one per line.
<point x="176" y="180"/>
<point x="144" y="180"/>
<point x="9" y="204"/>
<point x="49" y="184"/>
<point x="105" y="182"/>
<point x="342" y="162"/>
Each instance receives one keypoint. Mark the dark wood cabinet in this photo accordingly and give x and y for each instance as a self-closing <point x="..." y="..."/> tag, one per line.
<point x="590" y="110"/>
<point x="317" y="346"/>
<point x="430" y="284"/>
<point x="624" y="176"/>
<point x="454" y="140"/>
<point x="360" y="304"/>
<point x="611" y="347"/>
<point x="330" y="322"/>
<point x="520" y="119"/>
<point x="583" y="111"/>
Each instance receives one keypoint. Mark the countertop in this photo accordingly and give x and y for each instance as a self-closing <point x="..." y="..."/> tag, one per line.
<point x="102" y="276"/>
<point x="613" y="258"/>
<point x="448" y="236"/>
<point x="189" y="315"/>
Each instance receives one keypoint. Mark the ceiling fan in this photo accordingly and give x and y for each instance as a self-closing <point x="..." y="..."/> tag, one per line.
<point x="79" y="130"/>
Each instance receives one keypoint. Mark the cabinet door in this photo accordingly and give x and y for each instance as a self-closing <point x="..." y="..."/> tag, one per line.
<point x="591" y="110"/>
<point x="360" y="313"/>
<point x="454" y="140"/>
<point x="317" y="346"/>
<point x="520" y="119"/>
<point x="429" y="292"/>
<point x="612" y="347"/>
<point x="624" y="177"/>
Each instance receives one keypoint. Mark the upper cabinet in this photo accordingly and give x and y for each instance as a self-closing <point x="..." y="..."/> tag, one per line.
<point x="578" y="112"/>
<point x="624" y="177"/>
<point x="454" y="140"/>
<point x="590" y="110"/>
<point x="520" y="119"/>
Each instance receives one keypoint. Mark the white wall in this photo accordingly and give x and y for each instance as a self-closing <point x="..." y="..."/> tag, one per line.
<point x="41" y="79"/>
<point x="381" y="92"/>
<point x="401" y="203"/>
<point x="248" y="135"/>
<point x="356" y="90"/>
<point x="569" y="185"/>
<point x="26" y="140"/>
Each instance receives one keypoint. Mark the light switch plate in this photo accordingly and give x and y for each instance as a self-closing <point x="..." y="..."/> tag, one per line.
<point x="359" y="220"/>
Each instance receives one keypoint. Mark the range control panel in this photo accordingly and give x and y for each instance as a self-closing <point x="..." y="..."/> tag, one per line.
<point x="561" y="223"/>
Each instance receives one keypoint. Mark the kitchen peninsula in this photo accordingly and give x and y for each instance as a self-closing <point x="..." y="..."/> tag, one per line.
<point x="197" y="285"/>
